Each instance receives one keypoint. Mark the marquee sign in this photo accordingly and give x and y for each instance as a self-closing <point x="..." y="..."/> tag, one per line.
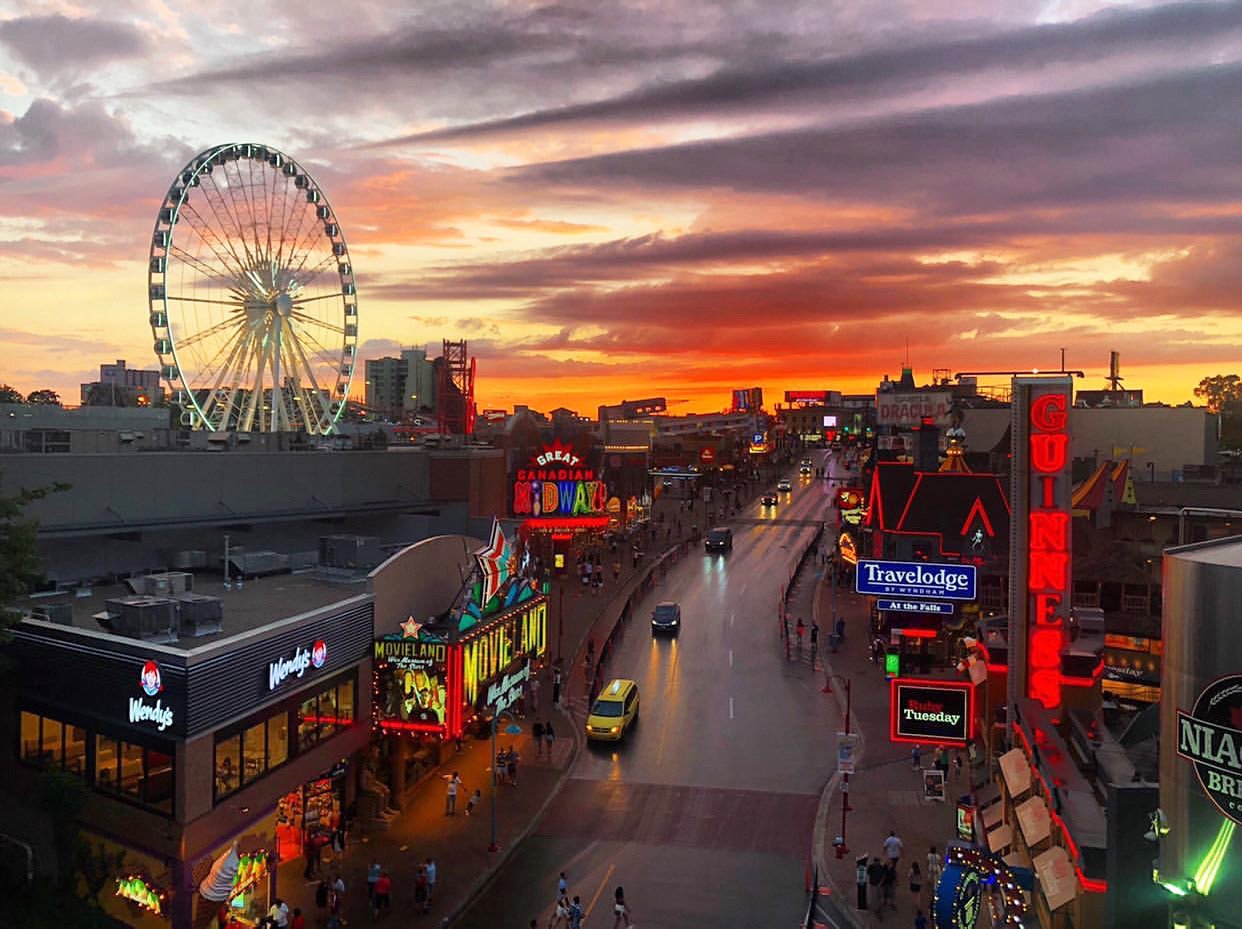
<point x="1048" y="540"/>
<point x="557" y="483"/>
<point x="490" y="652"/>
<point x="916" y="579"/>
<point x="931" y="712"/>
<point x="1210" y="737"/>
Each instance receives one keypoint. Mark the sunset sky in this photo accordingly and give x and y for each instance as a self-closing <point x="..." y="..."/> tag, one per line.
<point x="620" y="200"/>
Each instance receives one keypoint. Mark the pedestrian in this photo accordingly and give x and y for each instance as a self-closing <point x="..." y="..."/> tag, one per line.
<point x="622" y="910"/>
<point x="840" y="628"/>
<point x="920" y="921"/>
<point x="616" y="568"/>
<point x="916" y="757"/>
<point x="473" y="801"/>
<point x="814" y="636"/>
<point x="936" y="756"/>
<point x="799" y="629"/>
<point x="860" y="878"/>
<point x="450" y="797"/>
<point x="278" y="915"/>
<point x="549" y="736"/>
<point x="501" y="770"/>
<point x="957" y="764"/>
<point x="875" y="877"/>
<point x="312" y="850"/>
<point x="534" y="693"/>
<point x="297" y="920"/>
<point x="556" y="686"/>
<point x="321" y="895"/>
<point x="888" y="887"/>
<point x="337" y="897"/>
<point x="575" y="913"/>
<point x="373" y="876"/>
<point x="562" y="885"/>
<point x="560" y="912"/>
<point x="916" y="882"/>
<point x="420" y="889"/>
<point x="892" y="849"/>
<point x="383" y="896"/>
<point x="942" y="763"/>
<point x="338" y="838"/>
<point x="513" y="765"/>
<point x="536" y="731"/>
<point x="430" y="869"/>
<point x="935" y="864"/>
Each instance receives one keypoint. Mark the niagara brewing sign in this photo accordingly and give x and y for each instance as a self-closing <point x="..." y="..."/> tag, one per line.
<point x="931" y="712"/>
<point x="1210" y="736"/>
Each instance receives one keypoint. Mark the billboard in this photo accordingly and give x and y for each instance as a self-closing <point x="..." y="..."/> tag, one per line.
<point x="748" y="400"/>
<point x="558" y="482"/>
<point x="916" y="579"/>
<point x="930" y="712"/>
<point x="907" y="410"/>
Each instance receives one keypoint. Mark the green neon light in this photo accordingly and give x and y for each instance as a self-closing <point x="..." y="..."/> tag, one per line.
<point x="1176" y="890"/>
<point x="1209" y="867"/>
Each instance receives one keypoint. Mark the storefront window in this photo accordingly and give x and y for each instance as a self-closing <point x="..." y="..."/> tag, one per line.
<point x="278" y="739"/>
<point x="159" y="786"/>
<point x="228" y="765"/>
<point x="131" y="770"/>
<point x="30" y="737"/>
<point x="254" y="752"/>
<point x="345" y="702"/>
<point x="75" y="750"/>
<point x="106" y="754"/>
<point x="327" y="713"/>
<point x="308" y="724"/>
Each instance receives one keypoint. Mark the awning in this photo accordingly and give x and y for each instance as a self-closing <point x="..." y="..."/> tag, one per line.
<point x="993" y="814"/>
<point x="1056" y="877"/>
<point x="1000" y="837"/>
<point x="217" y="886"/>
<point x="1034" y="820"/>
<point x="1016" y="770"/>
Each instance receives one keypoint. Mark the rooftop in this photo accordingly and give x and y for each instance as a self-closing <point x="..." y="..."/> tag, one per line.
<point x="258" y="603"/>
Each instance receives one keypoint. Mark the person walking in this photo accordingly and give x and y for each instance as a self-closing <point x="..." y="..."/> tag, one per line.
<point x="536" y="732"/>
<point x="430" y="869"/>
<point x="916" y="883"/>
<point x="814" y="636"/>
<point x="450" y="797"/>
<point x="336" y="898"/>
<point x="373" y="875"/>
<point x="556" y="686"/>
<point x="475" y="799"/>
<point x="935" y="864"/>
<point x="875" y="877"/>
<point x="512" y="762"/>
<point x="312" y="850"/>
<point x="562" y="885"/>
<point x="420" y="889"/>
<point x="560" y="912"/>
<point x="920" y="920"/>
<point x="916" y="757"/>
<point x="860" y="878"/>
<point x="892" y="849"/>
<point x="799" y="630"/>
<point x="297" y="920"/>
<point x="575" y="913"/>
<point x="382" y="898"/>
<point x="888" y="887"/>
<point x="549" y="736"/>
<point x="624" y="918"/>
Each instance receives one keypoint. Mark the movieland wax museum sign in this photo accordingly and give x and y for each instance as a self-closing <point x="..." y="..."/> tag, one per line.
<point x="916" y="579"/>
<point x="1210" y="736"/>
<point x="558" y="482"/>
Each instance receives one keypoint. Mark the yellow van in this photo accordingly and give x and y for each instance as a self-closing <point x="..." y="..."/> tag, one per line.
<point x="615" y="709"/>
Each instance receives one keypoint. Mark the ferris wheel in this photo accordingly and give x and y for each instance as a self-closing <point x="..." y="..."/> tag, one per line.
<point x="252" y="299"/>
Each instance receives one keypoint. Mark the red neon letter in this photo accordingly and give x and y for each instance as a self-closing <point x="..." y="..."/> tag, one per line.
<point x="1048" y="570"/>
<point x="1049" y="531"/>
<point x="1046" y="609"/>
<point x="1048" y="451"/>
<point x="1048" y="412"/>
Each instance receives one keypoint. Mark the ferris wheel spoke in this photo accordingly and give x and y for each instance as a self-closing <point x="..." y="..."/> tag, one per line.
<point x="233" y="223"/>
<point x="205" y="268"/>
<point x="328" y="356"/>
<point x="314" y="269"/>
<point x="315" y="321"/>
<point x="222" y="247"/>
<point x="224" y="385"/>
<point x="207" y="333"/>
<point x="296" y="237"/>
<point x="301" y="301"/>
<point x="320" y="395"/>
<point x="235" y="304"/>
<point x="298" y="400"/>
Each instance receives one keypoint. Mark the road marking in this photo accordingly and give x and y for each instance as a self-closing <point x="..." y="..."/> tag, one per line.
<point x="730" y="658"/>
<point x="599" y="890"/>
<point x="731" y="615"/>
<point x="730" y="707"/>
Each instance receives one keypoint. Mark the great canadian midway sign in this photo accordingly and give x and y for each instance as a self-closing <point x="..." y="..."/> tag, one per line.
<point x="916" y="579"/>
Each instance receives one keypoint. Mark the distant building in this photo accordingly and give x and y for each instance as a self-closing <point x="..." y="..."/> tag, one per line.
<point x="119" y="385"/>
<point x="396" y="387"/>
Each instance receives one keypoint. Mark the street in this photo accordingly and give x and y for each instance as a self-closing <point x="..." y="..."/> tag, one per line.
<point x="704" y="813"/>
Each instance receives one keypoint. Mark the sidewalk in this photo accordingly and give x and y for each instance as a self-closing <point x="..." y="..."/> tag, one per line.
<point x="459" y="844"/>
<point x="885" y="792"/>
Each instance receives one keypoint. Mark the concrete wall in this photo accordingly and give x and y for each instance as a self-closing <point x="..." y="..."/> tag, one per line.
<point x="129" y="492"/>
<point x="1168" y="437"/>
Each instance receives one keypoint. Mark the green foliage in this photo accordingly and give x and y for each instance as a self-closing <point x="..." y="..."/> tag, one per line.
<point x="19" y="558"/>
<point x="10" y="394"/>
<point x="43" y="396"/>
<point x="1218" y="390"/>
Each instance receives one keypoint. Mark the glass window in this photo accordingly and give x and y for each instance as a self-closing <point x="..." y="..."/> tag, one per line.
<point x="277" y="739"/>
<point x="254" y="752"/>
<point x="106" y="755"/>
<point x="75" y="750"/>
<point x="53" y="752"/>
<point x="308" y="724"/>
<point x="131" y="770"/>
<point x="327" y="713"/>
<point x="228" y="765"/>
<point x="159" y="786"/>
<point x="345" y="702"/>
<point x="607" y="708"/>
<point x="30" y="737"/>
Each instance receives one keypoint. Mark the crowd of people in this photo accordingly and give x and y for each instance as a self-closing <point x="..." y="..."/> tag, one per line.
<point x="877" y="878"/>
<point x="567" y="912"/>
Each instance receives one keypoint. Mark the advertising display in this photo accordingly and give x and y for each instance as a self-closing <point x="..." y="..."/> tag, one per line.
<point x="1210" y="736"/>
<point x="412" y="681"/>
<point x="907" y="410"/>
<point x="557" y="482"/>
<point x="930" y="712"/>
<point x="916" y="579"/>
<point x="914" y="606"/>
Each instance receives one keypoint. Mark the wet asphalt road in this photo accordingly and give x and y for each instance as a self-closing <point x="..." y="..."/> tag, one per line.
<point x="704" y="813"/>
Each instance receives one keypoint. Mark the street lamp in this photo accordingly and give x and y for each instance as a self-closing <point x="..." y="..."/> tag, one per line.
<point x="512" y="729"/>
<point x="841" y="848"/>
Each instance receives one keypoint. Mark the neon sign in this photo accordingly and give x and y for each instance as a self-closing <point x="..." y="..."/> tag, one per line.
<point x="557" y="483"/>
<point x="1048" y="558"/>
<point x="486" y="656"/>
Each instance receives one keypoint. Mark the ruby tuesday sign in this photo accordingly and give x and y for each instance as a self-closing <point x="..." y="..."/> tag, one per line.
<point x="557" y="482"/>
<point x="931" y="712"/>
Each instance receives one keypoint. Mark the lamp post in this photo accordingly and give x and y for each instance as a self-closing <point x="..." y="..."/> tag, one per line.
<point x="512" y="729"/>
<point x="842" y="848"/>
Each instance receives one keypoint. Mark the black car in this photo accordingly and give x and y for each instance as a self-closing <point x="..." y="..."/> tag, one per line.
<point x="666" y="618"/>
<point x="769" y="499"/>
<point x="719" y="539"/>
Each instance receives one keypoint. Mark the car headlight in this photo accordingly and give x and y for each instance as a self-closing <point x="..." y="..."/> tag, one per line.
<point x="616" y="729"/>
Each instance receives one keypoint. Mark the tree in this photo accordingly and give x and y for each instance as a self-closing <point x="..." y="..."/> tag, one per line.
<point x="19" y="557"/>
<point x="45" y="396"/>
<point x="1218" y="390"/>
<point x="9" y="394"/>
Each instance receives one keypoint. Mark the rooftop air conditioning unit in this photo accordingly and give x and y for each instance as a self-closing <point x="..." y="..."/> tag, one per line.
<point x="199" y="614"/>
<point x="153" y="619"/>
